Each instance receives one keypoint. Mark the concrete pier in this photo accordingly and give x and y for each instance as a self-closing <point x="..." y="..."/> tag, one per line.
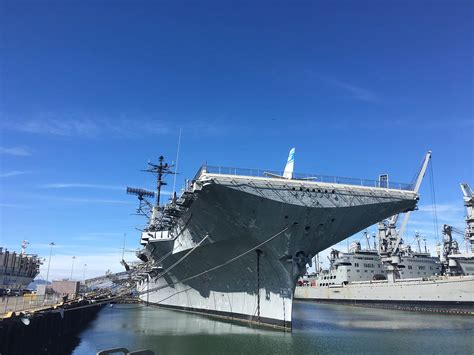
<point x="50" y="330"/>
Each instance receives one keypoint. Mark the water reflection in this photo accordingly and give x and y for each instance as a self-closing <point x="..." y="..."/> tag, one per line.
<point x="310" y="315"/>
<point x="316" y="329"/>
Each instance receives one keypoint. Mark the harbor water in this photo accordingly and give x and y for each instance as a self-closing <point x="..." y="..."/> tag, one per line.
<point x="317" y="329"/>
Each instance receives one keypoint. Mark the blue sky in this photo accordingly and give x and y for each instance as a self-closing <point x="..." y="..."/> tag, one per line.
<point x="91" y="90"/>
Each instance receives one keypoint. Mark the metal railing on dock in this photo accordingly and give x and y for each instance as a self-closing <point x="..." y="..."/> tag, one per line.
<point x="27" y="302"/>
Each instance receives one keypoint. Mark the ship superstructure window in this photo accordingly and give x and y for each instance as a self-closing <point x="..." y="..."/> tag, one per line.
<point x="410" y="267"/>
<point x="421" y="267"/>
<point x="356" y="264"/>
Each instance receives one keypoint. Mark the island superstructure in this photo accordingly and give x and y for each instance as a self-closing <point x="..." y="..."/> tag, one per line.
<point x="235" y="242"/>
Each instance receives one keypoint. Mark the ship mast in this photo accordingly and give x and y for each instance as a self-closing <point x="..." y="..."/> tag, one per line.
<point x="153" y="211"/>
<point x="24" y="245"/>
<point x="160" y="170"/>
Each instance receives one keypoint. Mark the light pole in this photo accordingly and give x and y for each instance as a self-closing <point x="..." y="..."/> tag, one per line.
<point x="72" y="267"/>
<point x="49" y="261"/>
<point x="84" y="274"/>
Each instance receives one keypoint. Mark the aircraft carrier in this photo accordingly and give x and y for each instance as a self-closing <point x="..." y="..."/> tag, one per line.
<point x="416" y="281"/>
<point x="235" y="241"/>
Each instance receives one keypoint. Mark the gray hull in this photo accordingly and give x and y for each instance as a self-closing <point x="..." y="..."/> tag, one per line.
<point x="453" y="294"/>
<point x="242" y="243"/>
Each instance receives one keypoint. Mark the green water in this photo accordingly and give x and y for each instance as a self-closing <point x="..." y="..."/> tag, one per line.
<point x="317" y="329"/>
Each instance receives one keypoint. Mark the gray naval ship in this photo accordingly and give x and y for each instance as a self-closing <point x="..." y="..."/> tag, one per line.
<point x="235" y="241"/>
<point x="17" y="270"/>
<point x="401" y="278"/>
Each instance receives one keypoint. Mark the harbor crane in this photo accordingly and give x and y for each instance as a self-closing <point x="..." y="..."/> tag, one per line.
<point x="469" y="203"/>
<point x="389" y="238"/>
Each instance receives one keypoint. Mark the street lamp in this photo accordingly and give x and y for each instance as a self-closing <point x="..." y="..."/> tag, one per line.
<point x="84" y="274"/>
<point x="49" y="261"/>
<point x="72" y="267"/>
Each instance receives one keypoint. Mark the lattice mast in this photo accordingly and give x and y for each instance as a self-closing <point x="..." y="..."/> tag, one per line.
<point x="159" y="170"/>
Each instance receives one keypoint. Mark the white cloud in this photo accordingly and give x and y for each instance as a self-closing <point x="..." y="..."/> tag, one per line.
<point x="122" y="127"/>
<point x="13" y="173"/>
<point x="59" y="127"/>
<point x="442" y="208"/>
<point x="15" y="151"/>
<point x="85" y="127"/>
<point x="92" y="200"/>
<point x="356" y="92"/>
<point x="14" y="205"/>
<point x="62" y="185"/>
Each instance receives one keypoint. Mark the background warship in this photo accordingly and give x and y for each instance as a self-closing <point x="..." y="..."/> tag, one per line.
<point x="235" y="241"/>
<point x="400" y="277"/>
<point x="17" y="270"/>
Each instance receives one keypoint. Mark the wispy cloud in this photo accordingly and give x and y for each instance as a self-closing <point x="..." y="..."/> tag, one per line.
<point x="62" y="185"/>
<point x="59" y="127"/>
<point x="15" y="151"/>
<point x="442" y="208"/>
<point x="98" y="236"/>
<point x="14" y="205"/>
<point x="80" y="200"/>
<point x="355" y="91"/>
<point x="13" y="173"/>
<point x="85" y="127"/>
<point x="93" y="200"/>
<point x="69" y="126"/>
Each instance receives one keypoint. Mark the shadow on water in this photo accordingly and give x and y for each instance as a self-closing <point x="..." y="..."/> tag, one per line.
<point x="317" y="328"/>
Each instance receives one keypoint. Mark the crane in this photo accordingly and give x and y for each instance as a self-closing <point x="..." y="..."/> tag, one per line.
<point x="469" y="203"/>
<point x="421" y="175"/>
<point x="389" y="239"/>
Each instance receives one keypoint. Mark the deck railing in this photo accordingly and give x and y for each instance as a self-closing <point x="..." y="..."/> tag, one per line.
<point x="303" y="177"/>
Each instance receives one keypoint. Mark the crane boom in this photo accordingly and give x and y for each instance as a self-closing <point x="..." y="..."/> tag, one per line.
<point x="416" y="188"/>
<point x="467" y="192"/>
<point x="469" y="203"/>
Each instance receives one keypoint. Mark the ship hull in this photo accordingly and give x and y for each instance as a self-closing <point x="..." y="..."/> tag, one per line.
<point x="241" y="245"/>
<point x="8" y="282"/>
<point x="452" y="294"/>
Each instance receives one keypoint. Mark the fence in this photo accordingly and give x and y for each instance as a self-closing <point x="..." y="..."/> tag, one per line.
<point x="27" y="302"/>
<point x="305" y="177"/>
